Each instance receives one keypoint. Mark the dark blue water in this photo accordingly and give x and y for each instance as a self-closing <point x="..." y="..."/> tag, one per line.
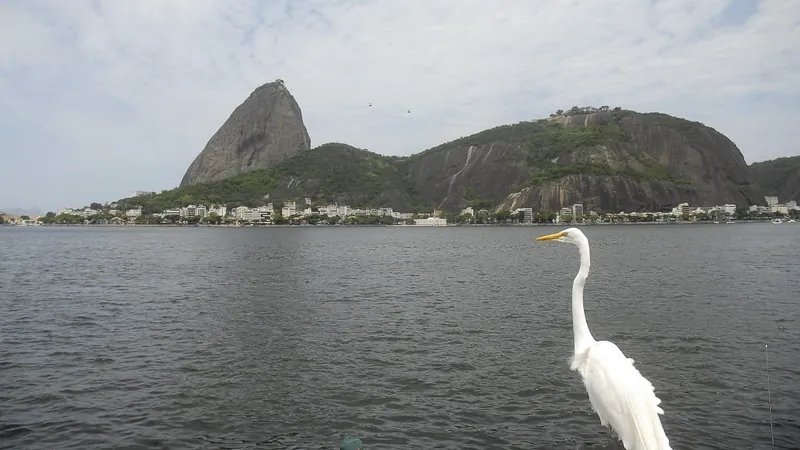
<point x="409" y="338"/>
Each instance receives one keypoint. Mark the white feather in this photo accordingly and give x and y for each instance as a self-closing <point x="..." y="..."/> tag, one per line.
<point x="623" y="399"/>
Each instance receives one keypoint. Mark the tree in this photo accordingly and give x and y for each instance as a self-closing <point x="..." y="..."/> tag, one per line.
<point x="604" y="108"/>
<point x="742" y="213"/>
<point x="2" y="220"/>
<point x="502" y="216"/>
<point x="213" y="218"/>
<point x="24" y="217"/>
<point x="544" y="217"/>
<point x="560" y="112"/>
<point x="96" y="205"/>
<point x="48" y="218"/>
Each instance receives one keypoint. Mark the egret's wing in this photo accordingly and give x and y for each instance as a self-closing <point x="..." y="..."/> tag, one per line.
<point x="623" y="398"/>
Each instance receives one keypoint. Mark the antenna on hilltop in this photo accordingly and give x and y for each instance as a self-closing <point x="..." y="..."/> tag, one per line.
<point x="769" y="396"/>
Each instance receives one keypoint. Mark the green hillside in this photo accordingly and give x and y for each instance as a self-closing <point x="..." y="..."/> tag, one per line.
<point x="780" y="176"/>
<point x="329" y="173"/>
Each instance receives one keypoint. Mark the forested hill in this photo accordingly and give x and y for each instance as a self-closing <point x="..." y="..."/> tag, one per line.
<point x="607" y="159"/>
<point x="779" y="177"/>
<point x="330" y="173"/>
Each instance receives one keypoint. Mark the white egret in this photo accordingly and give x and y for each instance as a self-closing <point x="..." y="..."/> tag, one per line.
<point x="623" y="399"/>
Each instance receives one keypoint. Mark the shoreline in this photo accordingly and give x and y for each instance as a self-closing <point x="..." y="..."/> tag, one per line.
<point x="738" y="222"/>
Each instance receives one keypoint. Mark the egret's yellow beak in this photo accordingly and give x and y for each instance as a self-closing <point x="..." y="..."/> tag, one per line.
<point x="550" y="237"/>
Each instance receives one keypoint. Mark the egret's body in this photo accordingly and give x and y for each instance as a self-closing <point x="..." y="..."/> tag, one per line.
<point x="622" y="398"/>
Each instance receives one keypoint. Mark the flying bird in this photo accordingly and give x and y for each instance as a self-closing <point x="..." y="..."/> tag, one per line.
<point x="623" y="399"/>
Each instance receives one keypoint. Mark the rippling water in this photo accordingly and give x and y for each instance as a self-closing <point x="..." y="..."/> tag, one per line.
<point x="409" y="338"/>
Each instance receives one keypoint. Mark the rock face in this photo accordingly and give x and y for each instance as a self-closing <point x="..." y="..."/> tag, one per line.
<point x="446" y="177"/>
<point x="609" y="161"/>
<point x="266" y="129"/>
<point x="779" y="177"/>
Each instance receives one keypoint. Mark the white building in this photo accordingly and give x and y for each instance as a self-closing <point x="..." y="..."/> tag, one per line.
<point x="577" y="210"/>
<point x="240" y="211"/>
<point x="728" y="208"/>
<point x="782" y="209"/>
<point x="760" y="209"/>
<point x="220" y="210"/>
<point x="134" y="212"/>
<point x="682" y="210"/>
<point x="430" y="222"/>
<point x="289" y="209"/>
<point x="527" y="214"/>
<point x="251" y="215"/>
<point x="262" y="214"/>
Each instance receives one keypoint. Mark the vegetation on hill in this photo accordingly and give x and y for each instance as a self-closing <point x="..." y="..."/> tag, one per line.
<point x="555" y="173"/>
<point x="330" y="173"/>
<point x="544" y="140"/>
<point x="546" y="149"/>
<point x="779" y="177"/>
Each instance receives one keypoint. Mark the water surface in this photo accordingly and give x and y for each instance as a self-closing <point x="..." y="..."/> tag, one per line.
<point x="456" y="338"/>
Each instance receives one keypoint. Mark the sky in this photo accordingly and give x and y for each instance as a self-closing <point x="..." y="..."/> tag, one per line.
<point x="99" y="99"/>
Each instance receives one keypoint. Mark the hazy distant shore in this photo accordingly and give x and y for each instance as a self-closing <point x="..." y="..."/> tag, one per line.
<point x="378" y="225"/>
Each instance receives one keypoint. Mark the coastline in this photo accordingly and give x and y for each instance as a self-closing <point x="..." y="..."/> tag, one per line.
<point x="738" y="222"/>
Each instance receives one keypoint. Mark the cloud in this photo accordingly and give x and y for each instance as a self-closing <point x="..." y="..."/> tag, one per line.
<point x="100" y="98"/>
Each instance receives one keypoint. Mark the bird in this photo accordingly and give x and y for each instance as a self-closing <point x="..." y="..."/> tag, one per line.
<point x="623" y="399"/>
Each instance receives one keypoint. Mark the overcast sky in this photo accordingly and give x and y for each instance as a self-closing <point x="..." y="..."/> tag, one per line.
<point x="102" y="98"/>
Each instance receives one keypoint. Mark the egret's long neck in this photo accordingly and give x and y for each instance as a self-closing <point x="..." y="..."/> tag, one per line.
<point x="580" y="329"/>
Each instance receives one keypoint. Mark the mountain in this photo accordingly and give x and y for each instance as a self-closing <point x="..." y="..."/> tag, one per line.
<point x="779" y="177"/>
<point x="31" y="212"/>
<point x="607" y="159"/>
<point x="612" y="160"/>
<point x="264" y="130"/>
<point x="330" y="173"/>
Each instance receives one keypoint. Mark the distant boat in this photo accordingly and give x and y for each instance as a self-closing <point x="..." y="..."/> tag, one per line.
<point x="791" y="221"/>
<point x="730" y="221"/>
<point x="776" y="221"/>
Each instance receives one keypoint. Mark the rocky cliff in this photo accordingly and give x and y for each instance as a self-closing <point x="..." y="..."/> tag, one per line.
<point x="779" y="177"/>
<point x="264" y="130"/>
<point x="607" y="160"/>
